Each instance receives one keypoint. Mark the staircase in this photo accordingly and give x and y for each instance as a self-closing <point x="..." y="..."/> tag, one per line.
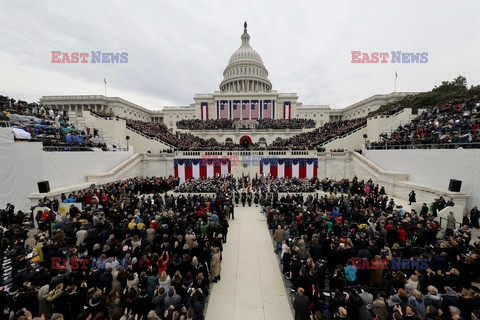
<point x="81" y="124"/>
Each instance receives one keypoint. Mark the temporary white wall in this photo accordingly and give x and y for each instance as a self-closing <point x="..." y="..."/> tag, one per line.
<point x="434" y="167"/>
<point x="117" y="130"/>
<point x="349" y="142"/>
<point x="66" y="168"/>
<point x="377" y="124"/>
<point x="20" y="169"/>
<point x="23" y="164"/>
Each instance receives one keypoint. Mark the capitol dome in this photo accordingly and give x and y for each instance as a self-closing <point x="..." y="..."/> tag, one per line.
<point x="245" y="71"/>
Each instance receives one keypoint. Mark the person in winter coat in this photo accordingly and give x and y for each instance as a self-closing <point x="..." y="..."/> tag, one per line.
<point x="401" y="299"/>
<point x="350" y="273"/>
<point x="367" y="300"/>
<point x="44" y="306"/>
<point x="412" y="284"/>
<point x="113" y="305"/>
<point x="416" y="300"/>
<point x="432" y="298"/>
<point x="450" y="223"/>
<point x="380" y="307"/>
<point x="216" y="264"/>
<point x="301" y="305"/>
<point x="412" y="197"/>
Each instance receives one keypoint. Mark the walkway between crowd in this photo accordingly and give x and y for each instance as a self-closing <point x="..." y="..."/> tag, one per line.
<point x="251" y="285"/>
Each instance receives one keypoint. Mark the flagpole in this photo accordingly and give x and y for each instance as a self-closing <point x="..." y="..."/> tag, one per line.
<point x="105" y="81"/>
<point x="395" y="84"/>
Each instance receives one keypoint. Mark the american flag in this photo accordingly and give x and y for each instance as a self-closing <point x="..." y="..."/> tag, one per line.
<point x="204" y="110"/>
<point x="254" y="112"/>
<point x="267" y="109"/>
<point x="246" y="110"/>
<point x="223" y="110"/>
<point x="287" y="110"/>
<point x="236" y="110"/>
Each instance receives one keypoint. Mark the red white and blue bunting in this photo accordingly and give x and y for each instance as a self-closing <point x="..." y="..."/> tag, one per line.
<point x="187" y="169"/>
<point x="304" y="168"/>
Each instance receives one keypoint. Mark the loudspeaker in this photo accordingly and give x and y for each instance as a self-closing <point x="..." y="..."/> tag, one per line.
<point x="43" y="186"/>
<point x="455" y="185"/>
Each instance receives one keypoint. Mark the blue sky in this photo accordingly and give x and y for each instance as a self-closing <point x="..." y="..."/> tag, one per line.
<point x="179" y="48"/>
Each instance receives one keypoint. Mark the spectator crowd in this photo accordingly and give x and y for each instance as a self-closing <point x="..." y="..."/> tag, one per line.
<point x="339" y="254"/>
<point x="212" y="185"/>
<point x="131" y="252"/>
<point x="313" y="139"/>
<point x="49" y="126"/>
<point x="455" y="123"/>
<point x="260" y="124"/>
<point x="304" y="141"/>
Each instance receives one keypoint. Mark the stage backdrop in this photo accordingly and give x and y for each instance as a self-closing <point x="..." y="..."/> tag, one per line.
<point x="187" y="169"/>
<point x="304" y="168"/>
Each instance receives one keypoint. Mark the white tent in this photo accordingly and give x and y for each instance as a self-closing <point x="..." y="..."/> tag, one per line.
<point x="21" y="134"/>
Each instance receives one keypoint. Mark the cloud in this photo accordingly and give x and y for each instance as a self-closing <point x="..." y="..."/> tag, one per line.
<point x="179" y="48"/>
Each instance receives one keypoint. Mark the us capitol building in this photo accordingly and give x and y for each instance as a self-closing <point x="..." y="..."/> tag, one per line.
<point x="245" y="94"/>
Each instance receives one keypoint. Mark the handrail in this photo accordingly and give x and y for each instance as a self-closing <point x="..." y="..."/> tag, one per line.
<point x="449" y="145"/>
<point x="150" y="137"/>
<point x="343" y="136"/>
<point x="116" y="170"/>
<point x="386" y="115"/>
<point x="367" y="162"/>
<point x="265" y="153"/>
<point x="455" y="223"/>
<point x="69" y="149"/>
<point x="245" y="129"/>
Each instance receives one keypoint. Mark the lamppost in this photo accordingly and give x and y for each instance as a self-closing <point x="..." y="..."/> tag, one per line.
<point x="127" y="138"/>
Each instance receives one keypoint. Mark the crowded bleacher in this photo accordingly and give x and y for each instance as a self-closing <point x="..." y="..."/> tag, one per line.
<point x="313" y="139"/>
<point x="304" y="141"/>
<point x="444" y="126"/>
<point x="260" y="124"/>
<point x="32" y="122"/>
